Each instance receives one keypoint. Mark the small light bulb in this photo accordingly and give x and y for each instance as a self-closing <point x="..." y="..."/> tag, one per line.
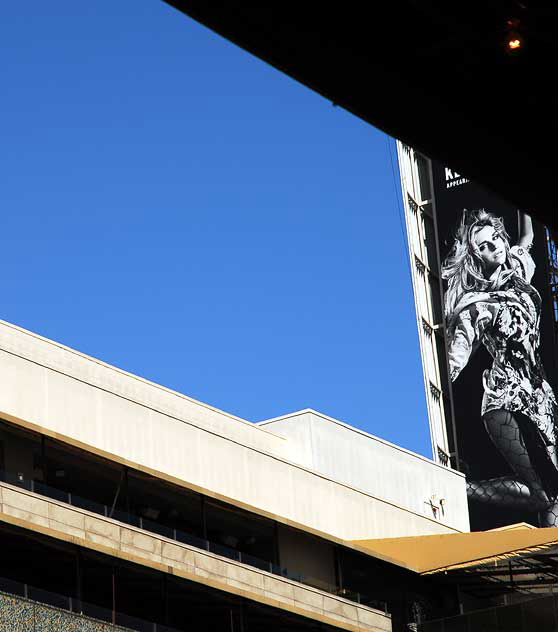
<point x="514" y="44"/>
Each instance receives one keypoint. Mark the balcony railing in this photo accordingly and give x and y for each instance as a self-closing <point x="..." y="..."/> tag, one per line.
<point x="190" y="539"/>
<point x="30" y="606"/>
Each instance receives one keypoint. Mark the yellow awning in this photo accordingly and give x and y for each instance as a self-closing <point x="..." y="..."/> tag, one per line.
<point x="435" y="553"/>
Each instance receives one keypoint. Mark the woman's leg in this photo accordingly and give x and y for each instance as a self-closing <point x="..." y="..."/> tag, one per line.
<point x="523" y="490"/>
<point x="504" y="490"/>
<point x="549" y="515"/>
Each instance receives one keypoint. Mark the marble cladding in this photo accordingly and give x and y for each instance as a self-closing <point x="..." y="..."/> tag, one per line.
<point x="81" y="527"/>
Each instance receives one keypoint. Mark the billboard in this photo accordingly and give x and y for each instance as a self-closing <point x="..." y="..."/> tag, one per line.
<point x="496" y="278"/>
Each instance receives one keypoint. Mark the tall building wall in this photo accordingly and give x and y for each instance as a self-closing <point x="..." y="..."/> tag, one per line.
<point x="376" y="467"/>
<point x="419" y="209"/>
<point x="84" y="402"/>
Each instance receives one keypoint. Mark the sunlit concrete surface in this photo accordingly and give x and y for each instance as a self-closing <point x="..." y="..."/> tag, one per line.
<point x="343" y="484"/>
<point x="72" y="524"/>
<point x="375" y="466"/>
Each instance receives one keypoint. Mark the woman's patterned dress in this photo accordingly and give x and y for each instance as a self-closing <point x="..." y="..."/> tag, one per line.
<point x="506" y="322"/>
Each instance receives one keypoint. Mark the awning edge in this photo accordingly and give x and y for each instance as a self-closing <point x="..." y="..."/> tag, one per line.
<point x="494" y="558"/>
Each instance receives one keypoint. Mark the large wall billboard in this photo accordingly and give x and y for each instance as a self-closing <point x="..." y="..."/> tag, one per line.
<point x="501" y="352"/>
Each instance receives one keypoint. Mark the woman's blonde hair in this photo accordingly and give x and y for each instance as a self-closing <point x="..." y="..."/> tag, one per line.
<point x="463" y="267"/>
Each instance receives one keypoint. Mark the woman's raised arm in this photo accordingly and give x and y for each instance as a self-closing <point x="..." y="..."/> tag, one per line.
<point x="525" y="230"/>
<point x="461" y="343"/>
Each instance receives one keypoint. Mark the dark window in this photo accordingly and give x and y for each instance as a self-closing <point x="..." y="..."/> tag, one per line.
<point x="240" y="531"/>
<point x="437" y="309"/>
<point x="80" y="473"/>
<point x="21" y="456"/>
<point x="158" y="502"/>
<point x="430" y="242"/>
<point x="424" y="176"/>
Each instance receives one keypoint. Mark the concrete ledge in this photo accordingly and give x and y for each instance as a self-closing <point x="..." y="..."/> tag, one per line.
<point x="63" y="394"/>
<point x="82" y="368"/>
<point x="72" y="524"/>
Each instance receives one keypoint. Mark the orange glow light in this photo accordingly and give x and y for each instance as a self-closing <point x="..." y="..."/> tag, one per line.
<point x="514" y="44"/>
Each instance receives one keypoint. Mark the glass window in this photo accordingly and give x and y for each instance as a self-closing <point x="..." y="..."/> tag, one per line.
<point x="430" y="242"/>
<point x="42" y="563"/>
<point x="424" y="176"/>
<point x="159" y="502"/>
<point x="194" y="607"/>
<point x="80" y="473"/>
<point x="20" y="456"/>
<point x="261" y="618"/>
<point x="240" y="531"/>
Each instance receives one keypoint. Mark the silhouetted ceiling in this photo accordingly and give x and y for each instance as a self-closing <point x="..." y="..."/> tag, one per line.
<point x="437" y="75"/>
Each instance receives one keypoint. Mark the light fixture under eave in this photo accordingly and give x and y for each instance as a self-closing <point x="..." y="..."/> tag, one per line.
<point x="514" y="41"/>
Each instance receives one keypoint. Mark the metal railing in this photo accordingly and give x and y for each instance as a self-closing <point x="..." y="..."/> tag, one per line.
<point x="37" y="603"/>
<point x="188" y="538"/>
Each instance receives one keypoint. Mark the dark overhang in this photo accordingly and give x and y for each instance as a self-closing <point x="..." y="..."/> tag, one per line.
<point x="436" y="75"/>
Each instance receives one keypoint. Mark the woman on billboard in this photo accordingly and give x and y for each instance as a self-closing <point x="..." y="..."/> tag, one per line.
<point x="489" y="300"/>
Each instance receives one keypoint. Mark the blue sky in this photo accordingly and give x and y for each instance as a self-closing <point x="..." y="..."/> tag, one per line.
<point x="178" y="208"/>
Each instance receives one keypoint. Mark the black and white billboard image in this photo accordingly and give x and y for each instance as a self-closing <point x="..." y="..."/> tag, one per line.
<point x="496" y="265"/>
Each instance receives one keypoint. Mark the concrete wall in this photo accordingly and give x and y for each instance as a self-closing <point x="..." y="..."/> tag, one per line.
<point x="375" y="466"/>
<point x="71" y="524"/>
<point x="85" y="402"/>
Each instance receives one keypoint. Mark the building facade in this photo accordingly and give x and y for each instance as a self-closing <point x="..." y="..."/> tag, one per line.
<point x="126" y="504"/>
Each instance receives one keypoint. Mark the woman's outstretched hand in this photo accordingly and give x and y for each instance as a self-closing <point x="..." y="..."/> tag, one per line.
<point x="525" y="230"/>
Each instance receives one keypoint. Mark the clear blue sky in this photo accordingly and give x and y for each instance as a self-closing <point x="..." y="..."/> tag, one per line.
<point x="178" y="208"/>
